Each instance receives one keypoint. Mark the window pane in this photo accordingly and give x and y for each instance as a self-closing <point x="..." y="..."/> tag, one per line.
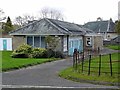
<point x="30" y="40"/>
<point x="37" y="41"/>
<point x="42" y="42"/>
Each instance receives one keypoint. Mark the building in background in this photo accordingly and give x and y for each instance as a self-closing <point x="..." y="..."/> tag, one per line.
<point x="104" y="27"/>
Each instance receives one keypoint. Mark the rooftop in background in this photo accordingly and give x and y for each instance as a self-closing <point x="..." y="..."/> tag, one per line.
<point x="101" y="26"/>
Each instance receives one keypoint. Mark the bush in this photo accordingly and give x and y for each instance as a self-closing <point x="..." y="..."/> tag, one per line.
<point x="50" y="53"/>
<point x="58" y="54"/>
<point x="39" y="53"/>
<point x="26" y="51"/>
<point x="23" y="51"/>
<point x="55" y="54"/>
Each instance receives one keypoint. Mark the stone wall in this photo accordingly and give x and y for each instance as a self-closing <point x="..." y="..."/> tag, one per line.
<point x="96" y="41"/>
<point x="17" y="41"/>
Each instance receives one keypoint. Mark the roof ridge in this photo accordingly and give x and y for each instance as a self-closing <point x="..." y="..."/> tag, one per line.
<point x="53" y="24"/>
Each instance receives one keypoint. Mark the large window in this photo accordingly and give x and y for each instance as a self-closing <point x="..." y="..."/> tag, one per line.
<point x="43" y="42"/>
<point x="36" y="41"/>
<point x="30" y="40"/>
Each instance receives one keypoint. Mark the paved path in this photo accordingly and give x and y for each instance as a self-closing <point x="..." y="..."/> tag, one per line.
<point x="44" y="75"/>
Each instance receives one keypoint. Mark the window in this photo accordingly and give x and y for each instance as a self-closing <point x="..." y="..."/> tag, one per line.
<point x="30" y="40"/>
<point x="43" y="42"/>
<point x="36" y="41"/>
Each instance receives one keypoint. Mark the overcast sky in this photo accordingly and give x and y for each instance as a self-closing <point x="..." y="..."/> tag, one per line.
<point x="77" y="11"/>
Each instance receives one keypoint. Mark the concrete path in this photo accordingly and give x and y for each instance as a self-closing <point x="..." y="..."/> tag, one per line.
<point x="43" y="75"/>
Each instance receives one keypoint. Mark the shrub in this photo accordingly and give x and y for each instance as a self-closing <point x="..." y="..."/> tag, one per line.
<point x="23" y="51"/>
<point x="55" y="54"/>
<point x="50" y="53"/>
<point x="26" y="51"/>
<point x="59" y="54"/>
<point x="39" y="53"/>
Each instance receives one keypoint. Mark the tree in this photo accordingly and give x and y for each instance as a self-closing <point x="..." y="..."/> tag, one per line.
<point x="23" y="20"/>
<point x="2" y="16"/>
<point x="51" y="13"/>
<point x="117" y="27"/>
<point x="7" y="27"/>
<point x="52" y="42"/>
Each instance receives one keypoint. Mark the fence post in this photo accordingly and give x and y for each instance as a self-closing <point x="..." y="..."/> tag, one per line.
<point x="110" y="64"/>
<point x="99" y="64"/>
<point x="73" y="60"/>
<point x="82" y="61"/>
<point x="89" y="64"/>
<point x="98" y="50"/>
<point x="76" y="59"/>
<point x="75" y="55"/>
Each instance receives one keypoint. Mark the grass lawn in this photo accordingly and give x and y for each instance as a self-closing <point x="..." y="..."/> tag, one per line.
<point x="9" y="63"/>
<point x="72" y="74"/>
<point x="115" y="47"/>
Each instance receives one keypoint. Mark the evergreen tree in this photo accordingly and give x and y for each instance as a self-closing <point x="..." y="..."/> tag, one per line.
<point x="7" y="27"/>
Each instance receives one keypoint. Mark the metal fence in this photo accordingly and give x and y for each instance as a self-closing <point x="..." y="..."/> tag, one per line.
<point x="78" y="59"/>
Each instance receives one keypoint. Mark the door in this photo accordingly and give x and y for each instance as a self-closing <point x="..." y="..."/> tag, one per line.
<point x="78" y="44"/>
<point x="70" y="48"/>
<point x="4" y="44"/>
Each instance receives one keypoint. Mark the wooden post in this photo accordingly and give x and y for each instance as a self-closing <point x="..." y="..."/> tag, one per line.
<point x="67" y="45"/>
<point x="82" y="62"/>
<point x="76" y="55"/>
<point x="98" y="50"/>
<point x="73" y="60"/>
<point x="89" y="64"/>
<point x="99" y="63"/>
<point x="110" y="64"/>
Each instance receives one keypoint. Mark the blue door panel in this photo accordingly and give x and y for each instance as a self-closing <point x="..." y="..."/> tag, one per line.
<point x="4" y="44"/>
<point x="78" y="44"/>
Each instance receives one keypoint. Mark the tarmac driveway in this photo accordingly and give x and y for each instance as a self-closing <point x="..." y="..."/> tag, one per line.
<point x="44" y="75"/>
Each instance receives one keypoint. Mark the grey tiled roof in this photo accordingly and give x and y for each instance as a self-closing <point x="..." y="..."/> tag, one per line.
<point x="117" y="39"/>
<point x="51" y="27"/>
<point x="100" y="25"/>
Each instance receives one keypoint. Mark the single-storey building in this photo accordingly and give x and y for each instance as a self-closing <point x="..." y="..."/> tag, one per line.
<point x="5" y="40"/>
<point x="70" y="35"/>
<point x="6" y="44"/>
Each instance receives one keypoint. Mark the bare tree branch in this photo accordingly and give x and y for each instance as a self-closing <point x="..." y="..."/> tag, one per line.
<point x="51" y="13"/>
<point x="2" y="16"/>
<point x="23" y="20"/>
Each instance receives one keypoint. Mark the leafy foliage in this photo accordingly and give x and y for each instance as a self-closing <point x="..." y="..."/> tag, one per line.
<point x="52" y="42"/>
<point x="56" y="54"/>
<point x="26" y="51"/>
<point x="23" y="51"/>
<point x="39" y="53"/>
